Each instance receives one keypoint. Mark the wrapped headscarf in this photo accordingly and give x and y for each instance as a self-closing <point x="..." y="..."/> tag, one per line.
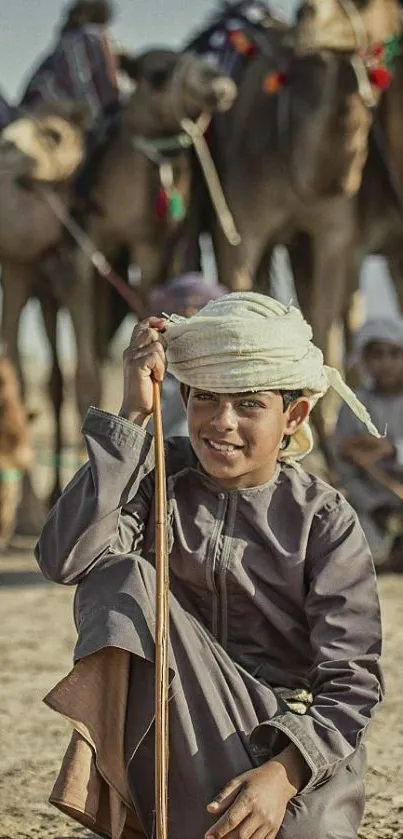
<point x="246" y="342"/>
<point x="385" y="330"/>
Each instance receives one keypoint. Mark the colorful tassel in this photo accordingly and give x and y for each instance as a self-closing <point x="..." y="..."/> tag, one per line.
<point x="275" y="82"/>
<point x="241" y="43"/>
<point x="176" y="206"/>
<point x="161" y="204"/>
<point x="169" y="204"/>
<point x="380" y="77"/>
<point x="392" y="50"/>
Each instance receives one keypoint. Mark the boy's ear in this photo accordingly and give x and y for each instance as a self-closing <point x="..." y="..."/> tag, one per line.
<point x="185" y="390"/>
<point x="298" y="412"/>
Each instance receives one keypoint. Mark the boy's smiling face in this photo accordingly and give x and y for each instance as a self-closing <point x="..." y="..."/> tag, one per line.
<point x="237" y="437"/>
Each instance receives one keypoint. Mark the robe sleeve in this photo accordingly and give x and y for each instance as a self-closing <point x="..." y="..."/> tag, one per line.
<point x="105" y="506"/>
<point x="103" y="66"/>
<point x="343" y="616"/>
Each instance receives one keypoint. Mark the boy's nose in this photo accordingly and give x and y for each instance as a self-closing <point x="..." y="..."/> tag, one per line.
<point x="224" y="418"/>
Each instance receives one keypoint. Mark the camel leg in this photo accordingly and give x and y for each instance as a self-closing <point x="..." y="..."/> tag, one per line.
<point x="395" y="265"/>
<point x="241" y="267"/>
<point x="353" y="316"/>
<point x="79" y="300"/>
<point x="17" y="288"/>
<point x="50" y="309"/>
<point x="301" y="255"/>
<point x="246" y="266"/>
<point x="103" y="303"/>
<point x="17" y="284"/>
<point x="263" y="275"/>
<point x="321" y="266"/>
<point x="234" y="264"/>
<point x="186" y="256"/>
<point x="333" y="260"/>
<point x="301" y="260"/>
<point x="153" y="263"/>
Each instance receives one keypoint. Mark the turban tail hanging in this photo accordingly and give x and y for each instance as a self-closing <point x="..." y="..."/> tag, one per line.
<point x="246" y="341"/>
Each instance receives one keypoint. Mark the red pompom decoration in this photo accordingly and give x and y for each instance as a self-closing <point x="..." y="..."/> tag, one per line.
<point x="380" y="77"/>
<point x="275" y="82"/>
<point x="241" y="43"/>
<point x="161" y="204"/>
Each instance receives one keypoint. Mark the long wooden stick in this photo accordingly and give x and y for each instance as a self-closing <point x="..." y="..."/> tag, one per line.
<point x="162" y="628"/>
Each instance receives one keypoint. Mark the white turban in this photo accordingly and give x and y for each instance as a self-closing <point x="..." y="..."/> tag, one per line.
<point x="388" y="330"/>
<point x="249" y="342"/>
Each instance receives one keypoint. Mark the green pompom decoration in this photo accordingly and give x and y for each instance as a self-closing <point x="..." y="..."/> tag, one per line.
<point x="177" y="210"/>
<point x="393" y="48"/>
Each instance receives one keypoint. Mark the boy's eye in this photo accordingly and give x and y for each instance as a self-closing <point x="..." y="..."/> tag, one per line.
<point x="203" y="397"/>
<point x="251" y="403"/>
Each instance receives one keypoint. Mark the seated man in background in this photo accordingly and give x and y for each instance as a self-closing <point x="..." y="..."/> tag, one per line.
<point x="379" y="346"/>
<point x="184" y="295"/>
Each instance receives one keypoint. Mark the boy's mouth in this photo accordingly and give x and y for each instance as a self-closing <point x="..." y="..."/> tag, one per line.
<point x="222" y="447"/>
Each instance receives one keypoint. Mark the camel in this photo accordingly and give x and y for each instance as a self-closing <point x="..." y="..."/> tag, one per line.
<point x="40" y="148"/>
<point x="15" y="448"/>
<point x="34" y="148"/>
<point x="294" y="160"/>
<point x="378" y="208"/>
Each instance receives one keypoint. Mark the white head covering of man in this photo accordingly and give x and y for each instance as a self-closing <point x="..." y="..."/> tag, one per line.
<point x="379" y="330"/>
<point x="246" y="341"/>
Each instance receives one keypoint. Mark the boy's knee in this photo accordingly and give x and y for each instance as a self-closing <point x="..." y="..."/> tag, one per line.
<point x="333" y="810"/>
<point x="299" y="822"/>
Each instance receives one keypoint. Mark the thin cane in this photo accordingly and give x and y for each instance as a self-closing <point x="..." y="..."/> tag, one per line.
<point x="162" y="627"/>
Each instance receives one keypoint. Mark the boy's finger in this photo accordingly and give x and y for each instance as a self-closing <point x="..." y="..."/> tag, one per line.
<point x="226" y="796"/>
<point x="144" y="325"/>
<point x="142" y="353"/>
<point x="147" y="336"/>
<point x="237" y="812"/>
<point x="158" y="323"/>
<point x="156" y="365"/>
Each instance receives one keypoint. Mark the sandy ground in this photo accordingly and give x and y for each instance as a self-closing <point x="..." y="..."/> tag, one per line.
<point x="36" y="642"/>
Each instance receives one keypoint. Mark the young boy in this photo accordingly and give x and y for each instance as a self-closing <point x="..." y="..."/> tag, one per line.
<point x="275" y="631"/>
<point x="379" y="347"/>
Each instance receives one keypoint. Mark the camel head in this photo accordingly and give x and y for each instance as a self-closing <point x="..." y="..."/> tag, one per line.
<point x="48" y="145"/>
<point x="344" y="60"/>
<point x="346" y="25"/>
<point x="172" y="85"/>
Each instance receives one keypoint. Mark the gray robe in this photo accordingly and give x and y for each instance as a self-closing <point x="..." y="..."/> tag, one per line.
<point x="363" y="492"/>
<point x="272" y="590"/>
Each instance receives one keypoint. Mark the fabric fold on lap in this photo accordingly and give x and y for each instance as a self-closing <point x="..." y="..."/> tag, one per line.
<point x="92" y="785"/>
